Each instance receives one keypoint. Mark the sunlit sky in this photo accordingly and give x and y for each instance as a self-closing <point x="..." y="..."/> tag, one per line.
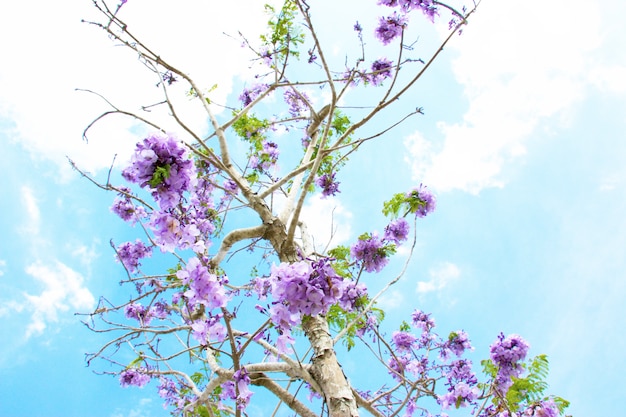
<point x="523" y="139"/>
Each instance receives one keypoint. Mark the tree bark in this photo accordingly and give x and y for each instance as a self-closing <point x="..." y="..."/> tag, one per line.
<point x="326" y="369"/>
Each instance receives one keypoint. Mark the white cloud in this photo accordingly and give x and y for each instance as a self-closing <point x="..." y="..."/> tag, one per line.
<point x="391" y="300"/>
<point x="63" y="288"/>
<point x="440" y="278"/>
<point x="38" y="92"/>
<point x="31" y="208"/>
<point x="3" y="263"/>
<point x="519" y="68"/>
<point x="328" y="221"/>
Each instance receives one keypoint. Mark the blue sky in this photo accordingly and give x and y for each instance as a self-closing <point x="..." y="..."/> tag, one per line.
<point x="522" y="138"/>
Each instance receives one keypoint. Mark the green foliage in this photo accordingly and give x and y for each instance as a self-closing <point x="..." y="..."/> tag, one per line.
<point x="339" y="319"/>
<point x="530" y="388"/>
<point x="252" y="177"/>
<point x="402" y="204"/>
<point x="392" y="207"/>
<point x="405" y="327"/>
<point x="252" y="130"/>
<point x="340" y="123"/>
<point x="137" y="362"/>
<point x="160" y="174"/>
<point x="526" y="390"/>
<point x="284" y="35"/>
<point x="342" y="262"/>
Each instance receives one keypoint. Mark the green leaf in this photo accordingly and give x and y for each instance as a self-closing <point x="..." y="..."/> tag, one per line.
<point x="160" y="174"/>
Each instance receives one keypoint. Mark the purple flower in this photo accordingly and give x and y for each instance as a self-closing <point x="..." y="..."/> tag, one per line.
<point x="460" y="370"/>
<point x="327" y="183"/>
<point x="397" y="231"/>
<point x="162" y="165"/>
<point x="138" y="312"/>
<point x="208" y="329"/>
<point x="266" y="158"/>
<point x="125" y="209"/>
<point x="389" y="3"/>
<point x="134" y="376"/>
<point x="403" y="340"/>
<point x="168" y="391"/>
<point x="242" y="380"/>
<point x="423" y="321"/>
<point x="546" y="408"/>
<point x="249" y="95"/>
<point x="130" y="253"/>
<point x="457" y="343"/>
<point x="390" y="27"/>
<point x="460" y="395"/>
<point x="422" y="201"/>
<point x="381" y="70"/>
<point x="370" y="253"/>
<point x="506" y="354"/>
<point x="204" y="287"/>
<point x="297" y="101"/>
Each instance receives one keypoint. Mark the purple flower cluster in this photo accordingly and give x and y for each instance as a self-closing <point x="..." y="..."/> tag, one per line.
<point x="298" y="102"/>
<point x="204" y="287"/>
<point x="460" y="370"/>
<point x="507" y="353"/>
<point x="145" y="315"/>
<point x="403" y="341"/>
<point x="397" y="231"/>
<point x="134" y="376"/>
<point x="125" y="209"/>
<point x="422" y="321"/>
<point x="369" y="251"/>
<point x="457" y="343"/>
<point x="207" y="330"/>
<point x="328" y="184"/>
<point x="237" y="389"/>
<point x="250" y="94"/>
<point x="428" y="7"/>
<point x="372" y="252"/>
<point x="381" y="70"/>
<point x="266" y="158"/>
<point x="305" y="288"/>
<point x="422" y="200"/>
<point x="390" y="27"/>
<point x="130" y="253"/>
<point x="162" y="165"/>
<point x="460" y="395"/>
<point x="546" y="408"/>
<point x="170" y="233"/>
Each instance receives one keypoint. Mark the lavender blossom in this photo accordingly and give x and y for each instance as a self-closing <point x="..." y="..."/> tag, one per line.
<point x="327" y="183"/>
<point x="381" y="70"/>
<point x="397" y="231"/>
<point x="370" y="253"/>
<point x="134" y="376"/>
<point x="390" y="27"/>
<point x="130" y="253"/>
<point x="506" y="354"/>
<point x="249" y="95"/>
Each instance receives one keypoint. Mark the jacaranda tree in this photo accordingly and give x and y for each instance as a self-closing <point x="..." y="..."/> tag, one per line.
<point x="211" y="338"/>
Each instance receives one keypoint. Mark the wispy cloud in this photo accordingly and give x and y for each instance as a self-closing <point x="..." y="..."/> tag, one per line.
<point x="62" y="288"/>
<point x="31" y="208"/>
<point x="3" y="264"/>
<point x="440" y="277"/>
<point x="514" y="79"/>
<point x="50" y="125"/>
<point x="328" y="221"/>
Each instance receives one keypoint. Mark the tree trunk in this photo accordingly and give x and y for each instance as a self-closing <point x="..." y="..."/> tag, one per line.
<point x="327" y="371"/>
<point x="325" y="368"/>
